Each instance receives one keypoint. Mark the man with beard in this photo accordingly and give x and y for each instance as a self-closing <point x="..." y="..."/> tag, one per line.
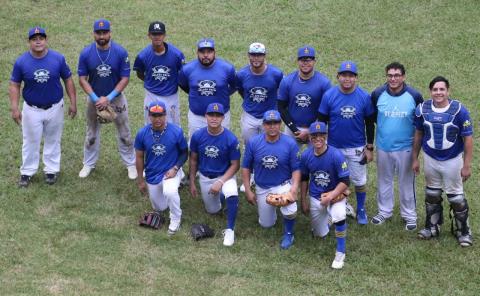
<point x="104" y="71"/>
<point x="206" y="80"/>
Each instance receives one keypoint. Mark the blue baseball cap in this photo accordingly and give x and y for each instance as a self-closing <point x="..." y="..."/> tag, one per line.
<point x="101" y="25"/>
<point x="347" y="66"/>
<point x="272" y="115"/>
<point x="206" y="43"/>
<point x="36" y="31"/>
<point x="306" y="52"/>
<point x="215" y="108"/>
<point x="318" y="127"/>
<point x="157" y="108"/>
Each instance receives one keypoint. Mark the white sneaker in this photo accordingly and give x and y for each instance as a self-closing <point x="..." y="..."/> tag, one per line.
<point x="338" y="262"/>
<point x="85" y="171"/>
<point x="173" y="227"/>
<point x="132" y="172"/>
<point x="228" y="237"/>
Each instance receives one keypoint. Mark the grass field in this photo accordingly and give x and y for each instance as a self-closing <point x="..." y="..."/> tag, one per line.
<point x="80" y="237"/>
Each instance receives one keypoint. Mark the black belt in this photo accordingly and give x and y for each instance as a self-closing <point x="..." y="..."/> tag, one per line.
<point x="211" y="176"/>
<point x="44" y="107"/>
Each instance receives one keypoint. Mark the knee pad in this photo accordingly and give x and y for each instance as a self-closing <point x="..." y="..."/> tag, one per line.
<point x="361" y="188"/>
<point x="457" y="202"/>
<point x="433" y="195"/>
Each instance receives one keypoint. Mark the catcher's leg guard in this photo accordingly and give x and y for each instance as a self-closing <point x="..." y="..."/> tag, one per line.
<point x="434" y="217"/>
<point x="459" y="207"/>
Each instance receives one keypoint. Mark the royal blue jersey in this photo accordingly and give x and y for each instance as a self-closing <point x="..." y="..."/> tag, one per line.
<point x="160" y="71"/>
<point x="347" y="114"/>
<point x="259" y="91"/>
<point x="443" y="130"/>
<point x="324" y="170"/>
<point x="395" y="114"/>
<point x="215" y="153"/>
<point x="272" y="163"/>
<point x="206" y="85"/>
<point x="104" y="68"/>
<point x="303" y="96"/>
<point x="161" y="150"/>
<point x="41" y="77"/>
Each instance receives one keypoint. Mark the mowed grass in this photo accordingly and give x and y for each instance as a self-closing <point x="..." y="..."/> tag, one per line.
<point x="81" y="236"/>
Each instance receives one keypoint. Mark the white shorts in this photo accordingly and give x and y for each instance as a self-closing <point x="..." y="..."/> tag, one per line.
<point x="319" y="215"/>
<point x="358" y="172"/>
<point x="267" y="214"/>
<point x="212" y="202"/>
<point x="444" y="174"/>
<point x="172" y="103"/>
<point x="196" y="122"/>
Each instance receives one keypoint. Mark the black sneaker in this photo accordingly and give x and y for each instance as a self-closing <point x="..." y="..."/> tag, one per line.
<point x="24" y="181"/>
<point x="50" y="179"/>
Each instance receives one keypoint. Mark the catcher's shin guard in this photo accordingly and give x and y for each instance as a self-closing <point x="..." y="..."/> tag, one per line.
<point x="434" y="213"/>
<point x="460" y="227"/>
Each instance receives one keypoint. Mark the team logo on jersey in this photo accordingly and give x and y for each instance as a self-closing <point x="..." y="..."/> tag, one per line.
<point x="321" y="178"/>
<point x="348" y="111"/>
<point x="41" y="75"/>
<point x="269" y="161"/>
<point x="104" y="70"/>
<point x="258" y="94"/>
<point x="211" y="151"/>
<point x="344" y="165"/>
<point x="160" y="73"/>
<point x="158" y="149"/>
<point x="207" y="87"/>
<point x="303" y="100"/>
<point x="467" y="123"/>
<point x="395" y="113"/>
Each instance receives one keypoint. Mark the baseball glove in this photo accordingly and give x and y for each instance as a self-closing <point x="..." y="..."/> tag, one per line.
<point x="200" y="231"/>
<point x="339" y="197"/>
<point x="280" y="199"/>
<point x="154" y="220"/>
<point x="106" y="115"/>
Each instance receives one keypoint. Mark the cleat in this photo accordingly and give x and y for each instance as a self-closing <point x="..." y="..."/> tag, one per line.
<point x="378" y="219"/>
<point x="50" y="179"/>
<point x="465" y="240"/>
<point x="350" y="212"/>
<point x="362" y="218"/>
<point x="85" y="171"/>
<point x="287" y="241"/>
<point x="428" y="233"/>
<point x="228" y="237"/>
<point x="173" y="227"/>
<point x="132" y="172"/>
<point x="24" y="181"/>
<point x="410" y="225"/>
<point x="338" y="262"/>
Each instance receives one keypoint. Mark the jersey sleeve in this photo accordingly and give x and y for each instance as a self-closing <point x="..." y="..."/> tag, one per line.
<point x="465" y="122"/>
<point x="234" y="148"/>
<point x="239" y="84"/>
<point x="182" y="79"/>
<point x="139" y="145"/>
<point x="17" y="75"/>
<point x="182" y="142"/>
<point x="418" y="119"/>
<point x="283" y="90"/>
<point x="65" y="71"/>
<point x="324" y="108"/>
<point x="194" y="143"/>
<point x="294" y="157"/>
<point x="82" y="69"/>
<point x="247" y="162"/>
<point x="181" y="59"/>
<point x="139" y="64"/>
<point x="369" y="110"/>
<point x="304" y="163"/>
<point x="341" y="165"/>
<point x="125" y="66"/>
<point x="232" y="80"/>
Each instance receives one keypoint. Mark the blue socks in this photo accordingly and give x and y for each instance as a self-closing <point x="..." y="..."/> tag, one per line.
<point x="341" y="235"/>
<point x="361" y="196"/>
<point x="232" y="208"/>
<point x="288" y="225"/>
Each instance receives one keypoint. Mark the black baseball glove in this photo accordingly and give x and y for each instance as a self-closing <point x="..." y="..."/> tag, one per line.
<point x="154" y="220"/>
<point x="200" y="231"/>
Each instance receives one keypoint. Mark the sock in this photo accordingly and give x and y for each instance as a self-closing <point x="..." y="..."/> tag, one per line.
<point x="288" y="225"/>
<point x="341" y="235"/>
<point x="361" y="196"/>
<point x="232" y="208"/>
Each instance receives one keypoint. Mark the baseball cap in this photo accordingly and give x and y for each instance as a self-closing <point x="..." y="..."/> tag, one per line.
<point x="271" y="115"/>
<point x="206" y="43"/>
<point x="157" y="108"/>
<point x="306" y="52"/>
<point x="257" y="48"/>
<point x="347" y="66"/>
<point x="101" y="25"/>
<point x="318" y="127"/>
<point x="156" y="28"/>
<point x="36" y="31"/>
<point x="215" y="108"/>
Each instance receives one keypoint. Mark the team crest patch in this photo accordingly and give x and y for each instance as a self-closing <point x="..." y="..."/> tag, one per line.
<point x="321" y="178"/>
<point x="104" y="70"/>
<point x="270" y="161"/>
<point x="158" y="149"/>
<point x="207" y="87"/>
<point x="303" y="100"/>
<point x="160" y="73"/>
<point x="467" y="123"/>
<point x="41" y="75"/>
<point x="344" y="165"/>
<point x="258" y="94"/>
<point x="348" y="111"/>
<point x="211" y="151"/>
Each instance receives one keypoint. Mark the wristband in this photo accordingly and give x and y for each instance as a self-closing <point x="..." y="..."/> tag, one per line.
<point x="112" y="94"/>
<point x="93" y="96"/>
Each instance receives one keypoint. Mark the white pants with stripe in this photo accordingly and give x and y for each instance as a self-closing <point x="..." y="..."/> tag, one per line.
<point x="212" y="202"/>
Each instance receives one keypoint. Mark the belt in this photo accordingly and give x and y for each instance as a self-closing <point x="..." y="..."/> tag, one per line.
<point x="211" y="176"/>
<point x="285" y="183"/>
<point x="44" y="107"/>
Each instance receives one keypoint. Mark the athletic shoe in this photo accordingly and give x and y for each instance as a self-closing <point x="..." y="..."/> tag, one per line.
<point x="428" y="233"/>
<point x="378" y="219"/>
<point x="132" y="172"/>
<point x="228" y="237"/>
<point x="465" y="240"/>
<point x="173" y="227"/>
<point x="362" y="218"/>
<point x="85" y="171"/>
<point x="338" y="262"/>
<point x="287" y="241"/>
<point x="410" y="225"/>
<point x="50" y="179"/>
<point x="350" y="211"/>
<point x="24" y="181"/>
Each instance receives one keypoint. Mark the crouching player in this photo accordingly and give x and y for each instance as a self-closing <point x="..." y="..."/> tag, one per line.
<point x="215" y="152"/>
<point x="324" y="169"/>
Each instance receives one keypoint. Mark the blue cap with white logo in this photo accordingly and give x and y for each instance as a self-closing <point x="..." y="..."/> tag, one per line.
<point x="318" y="127"/>
<point x="271" y="115"/>
<point x="215" y="108"/>
<point x="206" y="43"/>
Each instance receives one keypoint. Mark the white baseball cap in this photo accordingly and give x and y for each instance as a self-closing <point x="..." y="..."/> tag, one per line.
<point x="257" y="47"/>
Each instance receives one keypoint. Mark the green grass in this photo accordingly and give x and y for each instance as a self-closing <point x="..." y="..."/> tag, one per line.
<point x="81" y="237"/>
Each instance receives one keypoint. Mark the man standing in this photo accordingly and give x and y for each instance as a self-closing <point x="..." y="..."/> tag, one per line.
<point x="161" y="151"/>
<point x="325" y="176"/>
<point x="257" y="84"/>
<point x="157" y="65"/>
<point x="206" y="80"/>
<point x="215" y="152"/>
<point x="272" y="157"/>
<point x="394" y="104"/>
<point x="349" y="112"/>
<point x="40" y="69"/>
<point x="300" y="94"/>
<point x="444" y="131"/>
<point x="104" y="71"/>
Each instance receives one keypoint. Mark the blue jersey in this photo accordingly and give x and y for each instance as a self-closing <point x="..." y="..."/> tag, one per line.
<point x="41" y="77"/>
<point x="272" y="163"/>
<point x="104" y="68"/>
<point x="347" y="113"/>
<point x="161" y="150"/>
<point x="324" y="170"/>
<point x="215" y="153"/>
<point x="303" y="96"/>
<point x="259" y="92"/>
<point x="207" y="85"/>
<point x="160" y="71"/>
<point x="443" y="130"/>
<point x="395" y="113"/>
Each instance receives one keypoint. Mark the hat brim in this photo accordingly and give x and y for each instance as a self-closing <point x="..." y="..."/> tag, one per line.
<point x="37" y="34"/>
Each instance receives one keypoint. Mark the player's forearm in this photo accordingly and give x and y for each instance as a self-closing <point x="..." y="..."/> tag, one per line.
<point x="139" y="164"/>
<point x="192" y="166"/>
<point x="246" y="179"/>
<point x="468" y="151"/>
<point x="182" y="158"/>
<point x="339" y="188"/>
<point x="140" y="75"/>
<point x="370" y="129"/>
<point x="71" y="91"/>
<point x="303" y="190"/>
<point x="14" y="95"/>
<point x="417" y="142"/>
<point x="285" y="115"/>
<point x="232" y="169"/>
<point x="296" y="176"/>
<point x="122" y="84"/>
